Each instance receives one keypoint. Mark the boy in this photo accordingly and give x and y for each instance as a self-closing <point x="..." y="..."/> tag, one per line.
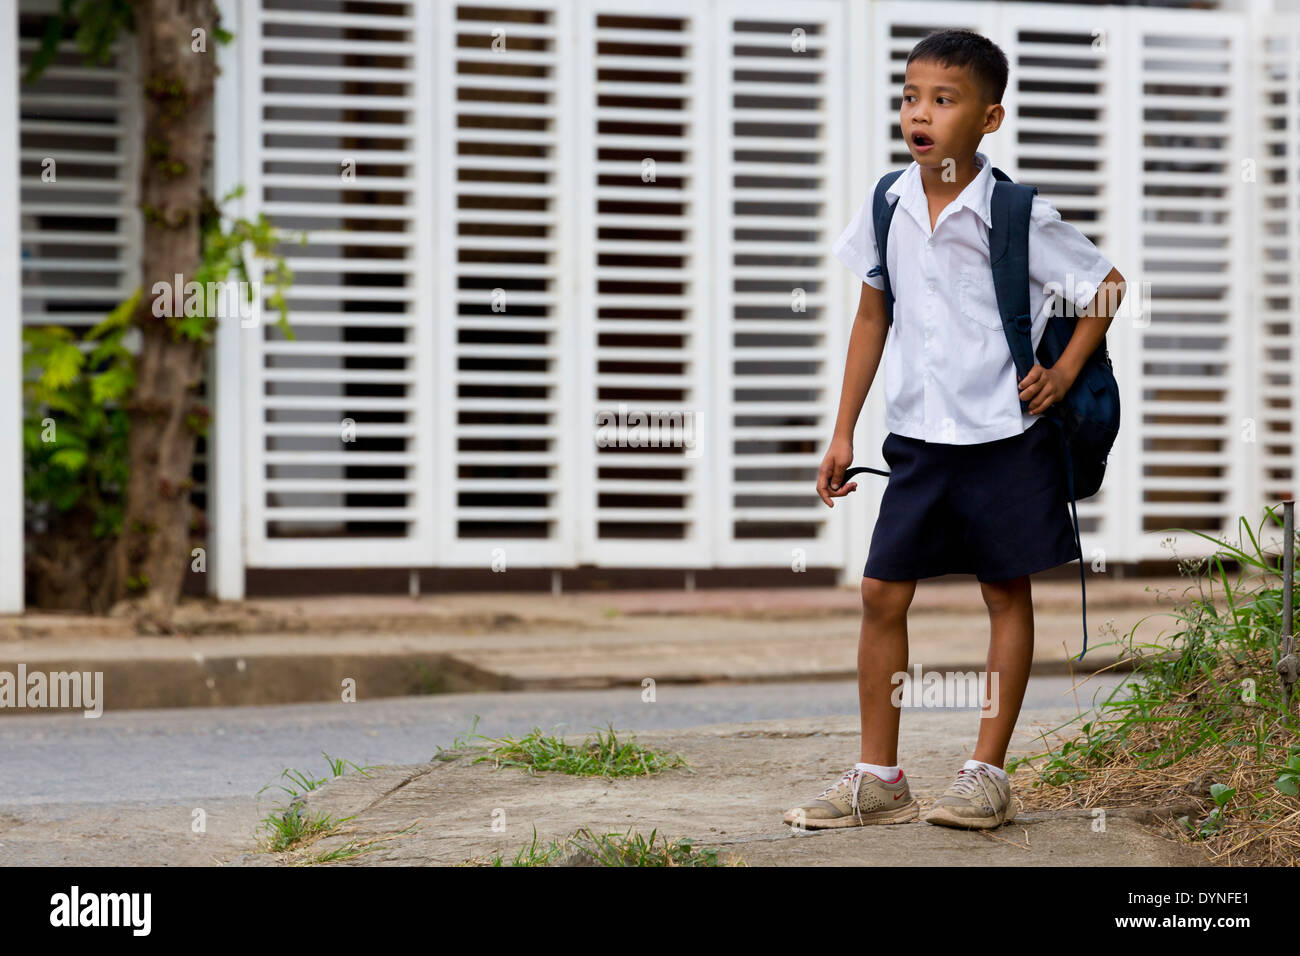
<point x="976" y="486"/>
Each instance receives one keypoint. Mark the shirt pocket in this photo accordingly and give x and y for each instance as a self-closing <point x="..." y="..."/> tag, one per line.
<point x="977" y="298"/>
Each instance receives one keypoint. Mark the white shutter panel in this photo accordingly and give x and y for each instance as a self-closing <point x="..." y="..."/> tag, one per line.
<point x="1197" y="471"/>
<point x="79" y="233"/>
<point x="507" y="317"/>
<point x="778" y="327"/>
<point x="644" y="273"/>
<point x="1276" y="298"/>
<point x="331" y="147"/>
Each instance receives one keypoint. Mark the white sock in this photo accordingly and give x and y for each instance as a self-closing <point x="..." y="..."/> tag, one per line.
<point x="887" y="774"/>
<point x="972" y="764"/>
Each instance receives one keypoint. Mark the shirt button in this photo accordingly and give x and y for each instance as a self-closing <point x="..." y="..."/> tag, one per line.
<point x="929" y="243"/>
<point x="929" y="287"/>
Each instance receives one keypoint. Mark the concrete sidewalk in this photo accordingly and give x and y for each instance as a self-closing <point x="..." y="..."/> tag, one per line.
<point x="741" y="778"/>
<point x="511" y="610"/>
<point x="394" y="646"/>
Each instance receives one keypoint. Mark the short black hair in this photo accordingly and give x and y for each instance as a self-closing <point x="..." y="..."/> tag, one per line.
<point x="964" y="48"/>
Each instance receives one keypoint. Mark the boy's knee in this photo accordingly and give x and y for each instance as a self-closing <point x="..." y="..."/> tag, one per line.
<point x="1002" y="596"/>
<point x="882" y="600"/>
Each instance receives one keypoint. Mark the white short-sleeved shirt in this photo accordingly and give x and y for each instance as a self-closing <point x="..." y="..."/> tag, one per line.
<point x="949" y="375"/>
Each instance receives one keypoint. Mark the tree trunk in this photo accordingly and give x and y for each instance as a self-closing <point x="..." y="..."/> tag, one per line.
<point x="153" y="553"/>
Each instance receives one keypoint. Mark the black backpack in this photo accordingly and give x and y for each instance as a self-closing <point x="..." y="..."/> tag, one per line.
<point x="1087" y="417"/>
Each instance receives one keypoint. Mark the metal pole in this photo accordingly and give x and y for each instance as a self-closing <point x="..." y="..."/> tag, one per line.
<point x="1288" y="665"/>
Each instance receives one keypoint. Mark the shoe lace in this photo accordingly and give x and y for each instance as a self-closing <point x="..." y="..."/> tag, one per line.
<point x="852" y="777"/>
<point x="968" y="780"/>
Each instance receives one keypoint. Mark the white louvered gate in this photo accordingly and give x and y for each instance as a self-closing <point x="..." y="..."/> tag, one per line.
<point x="569" y="283"/>
<point x="1194" y="214"/>
<point x="778" y="325"/>
<point x="503" y="267"/>
<point x="334" y="101"/>
<point x="505" y="293"/>
<point x="644" y="278"/>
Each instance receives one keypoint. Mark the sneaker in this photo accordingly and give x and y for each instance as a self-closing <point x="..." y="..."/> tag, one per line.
<point x="977" y="800"/>
<point x="858" y="798"/>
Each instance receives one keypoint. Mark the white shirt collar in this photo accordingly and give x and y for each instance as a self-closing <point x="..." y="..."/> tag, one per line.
<point x="976" y="196"/>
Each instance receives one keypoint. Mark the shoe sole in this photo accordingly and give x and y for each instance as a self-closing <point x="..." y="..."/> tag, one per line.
<point x="904" y="814"/>
<point x="944" y="817"/>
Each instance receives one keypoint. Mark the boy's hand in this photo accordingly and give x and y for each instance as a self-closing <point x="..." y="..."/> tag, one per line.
<point x="1044" y="387"/>
<point x="830" y="479"/>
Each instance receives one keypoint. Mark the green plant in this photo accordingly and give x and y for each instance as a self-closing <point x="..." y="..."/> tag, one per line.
<point x="1288" y="782"/>
<point x="1204" y="705"/>
<point x="604" y="755"/>
<point x="300" y="782"/>
<point x="430" y="682"/>
<point x="611" y="849"/>
<point x="227" y="241"/>
<point x="338" y="766"/>
<point x="74" y="426"/>
<point x="632" y="849"/>
<point x="460" y="746"/>
<point x="75" y="389"/>
<point x="530" y="854"/>
<point x="348" y="851"/>
<point x="288" y="827"/>
<point x="97" y="22"/>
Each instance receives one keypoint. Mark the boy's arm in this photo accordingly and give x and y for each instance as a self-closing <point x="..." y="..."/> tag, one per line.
<point x="1043" y="387"/>
<point x="866" y="345"/>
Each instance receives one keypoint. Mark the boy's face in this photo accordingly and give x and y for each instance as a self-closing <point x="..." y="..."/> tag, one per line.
<point x="943" y="115"/>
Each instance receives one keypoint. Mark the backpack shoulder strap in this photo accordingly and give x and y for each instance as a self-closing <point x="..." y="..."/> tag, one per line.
<point x="882" y="212"/>
<point x="1010" y="209"/>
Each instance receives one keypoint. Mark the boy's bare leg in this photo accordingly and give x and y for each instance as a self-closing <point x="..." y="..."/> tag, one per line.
<point x="882" y="653"/>
<point x="1011" y="651"/>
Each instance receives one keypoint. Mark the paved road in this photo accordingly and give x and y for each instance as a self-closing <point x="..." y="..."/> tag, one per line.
<point x="164" y="756"/>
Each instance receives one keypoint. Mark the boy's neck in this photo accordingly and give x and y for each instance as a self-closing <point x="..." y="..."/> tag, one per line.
<point x="964" y="171"/>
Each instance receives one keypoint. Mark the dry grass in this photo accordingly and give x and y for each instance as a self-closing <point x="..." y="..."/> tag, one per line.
<point x="1202" y="732"/>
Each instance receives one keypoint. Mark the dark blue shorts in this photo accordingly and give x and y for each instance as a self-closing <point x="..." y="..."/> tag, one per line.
<point x="996" y="509"/>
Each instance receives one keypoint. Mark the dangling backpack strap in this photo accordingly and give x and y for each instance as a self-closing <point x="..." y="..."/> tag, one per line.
<point x="1069" y="482"/>
<point x="860" y="469"/>
<point x="882" y="212"/>
<point x="1010" y="210"/>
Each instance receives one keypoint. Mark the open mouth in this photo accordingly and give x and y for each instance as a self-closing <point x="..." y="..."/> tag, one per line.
<point x="921" y="141"/>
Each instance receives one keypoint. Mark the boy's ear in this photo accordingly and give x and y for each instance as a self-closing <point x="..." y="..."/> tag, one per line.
<point x="994" y="118"/>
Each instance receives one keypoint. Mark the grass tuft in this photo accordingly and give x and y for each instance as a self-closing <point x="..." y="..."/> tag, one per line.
<point x="604" y="755"/>
<point x="587" y="848"/>
<point x="291" y="827"/>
